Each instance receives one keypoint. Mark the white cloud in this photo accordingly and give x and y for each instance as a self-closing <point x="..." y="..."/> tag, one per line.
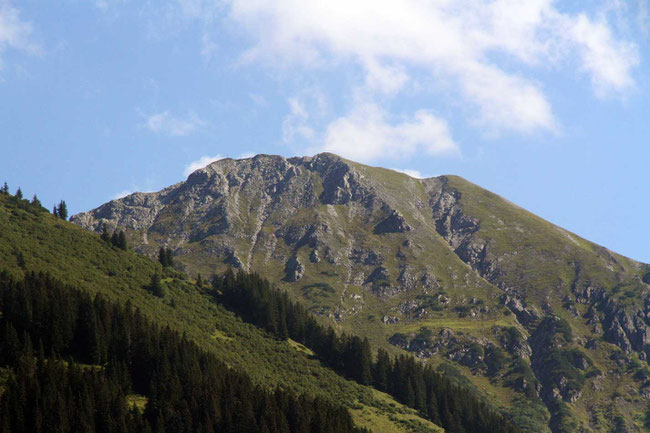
<point x="200" y="163"/>
<point x="413" y="173"/>
<point x="15" y="33"/>
<point x="207" y="160"/>
<point x="605" y="59"/>
<point x="304" y="110"/>
<point x="122" y="194"/>
<point x="385" y="78"/>
<point x="246" y="155"/>
<point x="455" y="41"/>
<point x="165" y="123"/>
<point x="366" y="135"/>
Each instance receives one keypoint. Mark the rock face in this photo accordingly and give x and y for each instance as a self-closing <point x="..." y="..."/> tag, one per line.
<point x="395" y="223"/>
<point x="358" y="243"/>
<point x="294" y="270"/>
<point x="280" y="216"/>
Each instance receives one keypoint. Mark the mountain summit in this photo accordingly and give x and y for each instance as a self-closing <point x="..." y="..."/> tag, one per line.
<point x="547" y="325"/>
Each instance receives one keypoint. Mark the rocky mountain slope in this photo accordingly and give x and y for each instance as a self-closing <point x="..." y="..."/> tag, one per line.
<point x="34" y="241"/>
<point x="549" y="326"/>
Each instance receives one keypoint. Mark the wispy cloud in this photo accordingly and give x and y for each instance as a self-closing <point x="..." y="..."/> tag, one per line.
<point x="200" y="163"/>
<point x="122" y="194"/>
<point x="366" y="134"/>
<point x="15" y="33"/>
<point x="304" y="110"/>
<point x="607" y="61"/>
<point x="452" y="41"/>
<point x="413" y="173"/>
<point x="165" y="123"/>
<point x="207" y="160"/>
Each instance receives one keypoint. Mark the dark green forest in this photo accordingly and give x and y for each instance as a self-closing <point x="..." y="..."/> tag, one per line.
<point x="75" y="359"/>
<point x="410" y="382"/>
<point x="75" y="362"/>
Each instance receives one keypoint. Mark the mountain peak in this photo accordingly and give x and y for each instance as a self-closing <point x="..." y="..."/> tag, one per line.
<point x="434" y="266"/>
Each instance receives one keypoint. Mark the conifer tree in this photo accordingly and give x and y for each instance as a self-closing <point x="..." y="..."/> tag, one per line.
<point x="55" y="211"/>
<point x="162" y="257"/>
<point x="36" y="201"/>
<point x="63" y="210"/>
<point x="19" y="193"/>
<point x="114" y="238"/>
<point x="20" y="259"/>
<point x="382" y="370"/>
<point x="165" y="257"/>
<point x="155" y="286"/>
<point x="5" y="189"/>
<point x="121" y="241"/>
<point x="105" y="236"/>
<point x="365" y="359"/>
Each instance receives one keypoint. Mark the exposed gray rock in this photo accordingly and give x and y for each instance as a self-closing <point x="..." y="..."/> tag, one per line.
<point x="389" y="320"/>
<point x="379" y="274"/>
<point x="294" y="270"/>
<point x="365" y="257"/>
<point x="526" y="315"/>
<point x="395" y="223"/>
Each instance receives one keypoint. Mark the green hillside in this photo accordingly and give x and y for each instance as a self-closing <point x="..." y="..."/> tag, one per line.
<point x="34" y="240"/>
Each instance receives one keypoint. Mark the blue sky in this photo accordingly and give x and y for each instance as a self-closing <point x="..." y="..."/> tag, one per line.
<point x="544" y="102"/>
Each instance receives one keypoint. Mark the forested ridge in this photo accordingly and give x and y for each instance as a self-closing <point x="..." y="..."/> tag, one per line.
<point x="413" y="384"/>
<point x="74" y="361"/>
<point x="77" y="362"/>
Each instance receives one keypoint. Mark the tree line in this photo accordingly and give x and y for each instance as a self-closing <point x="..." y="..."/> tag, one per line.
<point x="117" y="239"/>
<point x="416" y="385"/>
<point x="35" y="205"/>
<point x="75" y="360"/>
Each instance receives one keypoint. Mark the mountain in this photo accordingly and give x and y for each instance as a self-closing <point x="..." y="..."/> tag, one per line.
<point x="48" y="265"/>
<point x="551" y="328"/>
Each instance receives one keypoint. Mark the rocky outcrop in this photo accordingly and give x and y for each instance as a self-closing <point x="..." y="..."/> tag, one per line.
<point x="379" y="274"/>
<point x="525" y="314"/>
<point x="461" y="231"/>
<point x="395" y="223"/>
<point x="294" y="270"/>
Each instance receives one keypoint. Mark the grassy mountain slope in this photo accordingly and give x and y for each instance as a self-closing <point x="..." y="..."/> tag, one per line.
<point x="38" y="241"/>
<point x="439" y="267"/>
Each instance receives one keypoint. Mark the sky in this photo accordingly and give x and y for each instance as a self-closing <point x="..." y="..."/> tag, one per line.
<point x="544" y="102"/>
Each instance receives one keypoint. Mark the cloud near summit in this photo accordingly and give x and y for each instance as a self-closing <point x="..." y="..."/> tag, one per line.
<point x="486" y="50"/>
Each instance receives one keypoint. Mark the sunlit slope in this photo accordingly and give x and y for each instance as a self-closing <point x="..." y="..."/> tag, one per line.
<point x="38" y="241"/>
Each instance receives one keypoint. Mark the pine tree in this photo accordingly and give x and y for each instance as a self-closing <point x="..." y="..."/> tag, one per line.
<point x="63" y="210"/>
<point x="165" y="257"/>
<point x="114" y="238"/>
<point x="365" y="360"/>
<point x="11" y="347"/>
<point x="199" y="280"/>
<point x="162" y="257"/>
<point x="105" y="236"/>
<point x="155" y="286"/>
<point x="36" y="201"/>
<point x="55" y="211"/>
<point x="19" y="193"/>
<point x="20" y="259"/>
<point x="169" y="258"/>
<point x="382" y="370"/>
<point x="5" y="189"/>
<point x="121" y="241"/>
